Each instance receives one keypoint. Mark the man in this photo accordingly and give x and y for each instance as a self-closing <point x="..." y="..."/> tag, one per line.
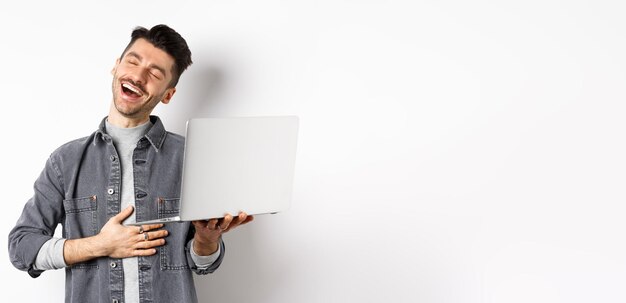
<point x="126" y="171"/>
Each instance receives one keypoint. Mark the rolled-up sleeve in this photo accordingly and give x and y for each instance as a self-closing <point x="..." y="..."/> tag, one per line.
<point x="50" y="255"/>
<point x="197" y="264"/>
<point x="38" y="221"/>
<point x="204" y="262"/>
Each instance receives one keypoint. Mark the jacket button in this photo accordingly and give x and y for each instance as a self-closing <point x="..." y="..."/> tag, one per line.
<point x="115" y="301"/>
<point x="112" y="158"/>
<point x="110" y="191"/>
<point x="113" y="265"/>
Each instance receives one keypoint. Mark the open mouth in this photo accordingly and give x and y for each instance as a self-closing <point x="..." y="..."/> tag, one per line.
<point x="131" y="90"/>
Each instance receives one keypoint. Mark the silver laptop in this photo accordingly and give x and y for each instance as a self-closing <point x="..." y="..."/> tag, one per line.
<point x="236" y="164"/>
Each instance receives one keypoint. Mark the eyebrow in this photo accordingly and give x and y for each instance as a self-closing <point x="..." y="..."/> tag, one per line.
<point x="133" y="54"/>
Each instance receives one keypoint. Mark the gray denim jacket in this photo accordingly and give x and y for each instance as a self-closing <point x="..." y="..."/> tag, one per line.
<point x="80" y="189"/>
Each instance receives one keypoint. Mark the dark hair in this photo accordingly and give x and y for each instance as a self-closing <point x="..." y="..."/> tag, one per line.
<point x="168" y="40"/>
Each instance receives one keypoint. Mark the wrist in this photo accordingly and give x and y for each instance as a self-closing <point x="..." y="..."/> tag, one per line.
<point x="80" y="250"/>
<point x="96" y="248"/>
<point x="205" y="248"/>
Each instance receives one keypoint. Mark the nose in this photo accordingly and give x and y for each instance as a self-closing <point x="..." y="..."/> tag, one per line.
<point x="139" y="76"/>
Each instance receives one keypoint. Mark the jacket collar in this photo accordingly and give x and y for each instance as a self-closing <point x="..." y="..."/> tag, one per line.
<point x="155" y="135"/>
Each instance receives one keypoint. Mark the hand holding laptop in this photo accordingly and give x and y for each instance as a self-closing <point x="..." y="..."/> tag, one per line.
<point x="208" y="232"/>
<point x="234" y="164"/>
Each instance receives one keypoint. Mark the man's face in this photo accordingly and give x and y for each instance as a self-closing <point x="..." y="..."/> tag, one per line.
<point x="141" y="80"/>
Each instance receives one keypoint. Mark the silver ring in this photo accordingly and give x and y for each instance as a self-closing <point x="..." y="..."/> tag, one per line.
<point x="141" y="229"/>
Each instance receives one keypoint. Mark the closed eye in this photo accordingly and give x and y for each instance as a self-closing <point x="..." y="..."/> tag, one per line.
<point x="157" y="74"/>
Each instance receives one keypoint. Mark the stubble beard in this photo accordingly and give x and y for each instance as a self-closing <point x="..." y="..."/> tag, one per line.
<point x="133" y="111"/>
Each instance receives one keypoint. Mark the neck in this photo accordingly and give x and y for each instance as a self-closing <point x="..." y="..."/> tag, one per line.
<point x="121" y="121"/>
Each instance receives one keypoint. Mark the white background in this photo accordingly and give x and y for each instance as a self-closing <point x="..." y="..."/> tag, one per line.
<point x="449" y="151"/>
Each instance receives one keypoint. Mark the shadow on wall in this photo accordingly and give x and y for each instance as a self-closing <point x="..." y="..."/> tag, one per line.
<point x="198" y="95"/>
<point x="244" y="275"/>
<point x="201" y="93"/>
<point x="252" y="271"/>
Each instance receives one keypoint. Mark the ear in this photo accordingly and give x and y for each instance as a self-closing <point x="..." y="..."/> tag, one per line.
<point x="117" y="62"/>
<point x="168" y="95"/>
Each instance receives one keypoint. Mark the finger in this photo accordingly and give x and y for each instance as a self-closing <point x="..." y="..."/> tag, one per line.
<point x="149" y="244"/>
<point x="148" y="227"/>
<point x="248" y="219"/>
<point x="153" y="235"/>
<point x="125" y="213"/>
<point x="158" y="234"/>
<point x="213" y="223"/>
<point x="144" y="252"/>
<point x="200" y="223"/>
<point x="228" y="218"/>
<point x="241" y="219"/>
<point x="235" y="222"/>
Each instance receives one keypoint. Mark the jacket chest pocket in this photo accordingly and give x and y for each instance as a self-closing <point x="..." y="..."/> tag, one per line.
<point x="172" y="255"/>
<point x="80" y="217"/>
<point x="81" y="221"/>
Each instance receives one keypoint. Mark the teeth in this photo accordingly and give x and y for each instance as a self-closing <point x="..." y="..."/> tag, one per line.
<point x="130" y="87"/>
